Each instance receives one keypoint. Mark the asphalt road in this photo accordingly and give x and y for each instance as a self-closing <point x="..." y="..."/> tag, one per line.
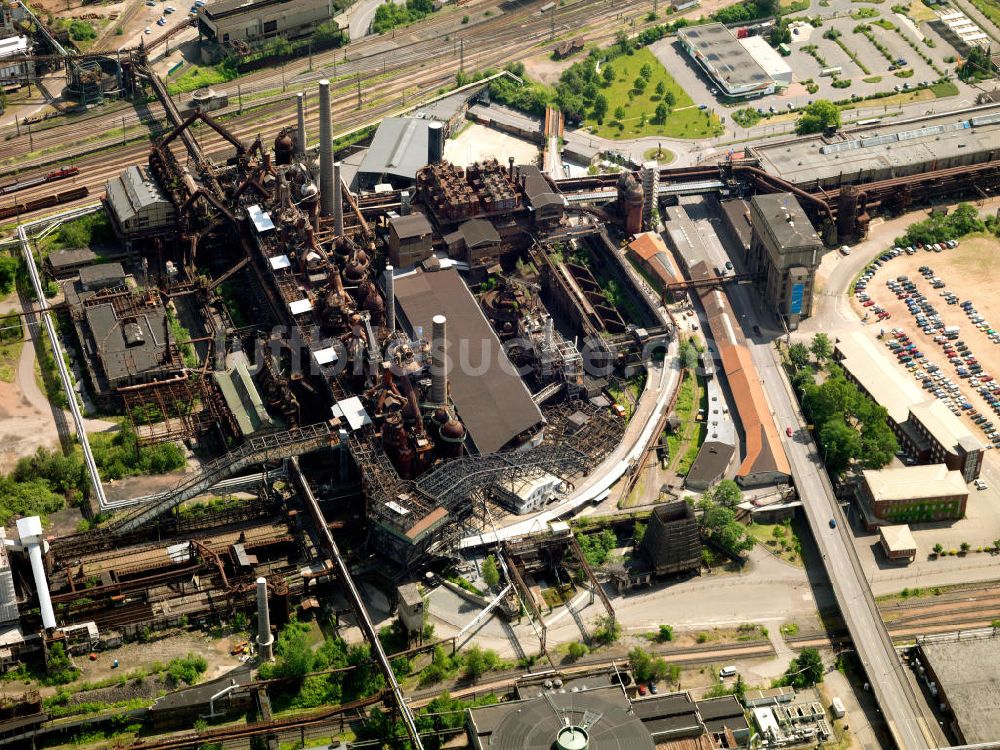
<point x="882" y="665"/>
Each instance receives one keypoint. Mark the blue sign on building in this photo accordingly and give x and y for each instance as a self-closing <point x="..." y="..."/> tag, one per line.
<point x="798" y="292"/>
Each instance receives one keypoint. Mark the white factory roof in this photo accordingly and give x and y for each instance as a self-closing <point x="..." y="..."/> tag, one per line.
<point x="13" y="45"/>
<point x="915" y="482"/>
<point x="352" y="411"/>
<point x="300" y="306"/>
<point x="898" y="538"/>
<point x="325" y="356"/>
<point x="764" y="718"/>
<point x="260" y="218"/>
<point x="767" y="57"/>
<point x="279" y="262"/>
<point x="871" y="367"/>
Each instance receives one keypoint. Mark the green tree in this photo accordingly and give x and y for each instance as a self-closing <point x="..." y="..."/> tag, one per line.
<point x="8" y="271"/>
<point x="661" y="113"/>
<point x="798" y="355"/>
<point x="620" y="113"/>
<point x="608" y="74"/>
<point x="639" y="84"/>
<point x="661" y="89"/>
<point x="665" y="633"/>
<point x="646" y="72"/>
<point x="293" y="652"/>
<point x="600" y="107"/>
<point x="670" y="99"/>
<point x="491" y="576"/>
<point x="478" y="661"/>
<point x="642" y="664"/>
<point x="805" y="670"/>
<point x="821" y="115"/>
<point x="821" y="347"/>
<point x="577" y="651"/>
<point x="726" y="493"/>
<point x="840" y="443"/>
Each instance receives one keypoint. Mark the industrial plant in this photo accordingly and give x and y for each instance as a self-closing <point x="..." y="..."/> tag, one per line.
<point x="538" y="398"/>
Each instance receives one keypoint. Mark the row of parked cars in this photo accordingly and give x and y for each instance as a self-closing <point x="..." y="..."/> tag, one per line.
<point x="958" y="353"/>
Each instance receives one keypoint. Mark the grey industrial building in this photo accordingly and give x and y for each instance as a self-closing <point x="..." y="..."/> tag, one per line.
<point x="491" y="399"/>
<point x="964" y="668"/>
<point x="539" y="717"/>
<point x="785" y="252"/>
<point x="254" y="21"/>
<point x="727" y="62"/>
<point x="886" y="150"/>
<point x="137" y="206"/>
<point x="398" y="149"/>
<point x="672" y="543"/>
<point x="65" y="263"/>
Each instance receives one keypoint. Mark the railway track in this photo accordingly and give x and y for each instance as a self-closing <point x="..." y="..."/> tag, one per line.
<point x="387" y="94"/>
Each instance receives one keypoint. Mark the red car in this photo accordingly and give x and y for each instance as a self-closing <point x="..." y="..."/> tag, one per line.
<point x="642" y="689"/>
<point x="788" y="431"/>
<point x="869" y="303"/>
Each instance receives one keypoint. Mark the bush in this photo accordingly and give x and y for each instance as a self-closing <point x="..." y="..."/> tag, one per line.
<point x="577" y="651"/>
<point x="81" y="31"/>
<point x="186" y="669"/>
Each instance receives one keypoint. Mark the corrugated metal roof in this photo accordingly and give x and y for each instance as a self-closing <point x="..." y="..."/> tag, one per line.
<point x="399" y="148"/>
<point x="494" y="404"/>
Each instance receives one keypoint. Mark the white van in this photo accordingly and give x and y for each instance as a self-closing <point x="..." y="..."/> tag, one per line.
<point x="727" y="672"/>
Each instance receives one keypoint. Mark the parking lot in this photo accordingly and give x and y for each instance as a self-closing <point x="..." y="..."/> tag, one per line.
<point x="841" y="16"/>
<point x="960" y="370"/>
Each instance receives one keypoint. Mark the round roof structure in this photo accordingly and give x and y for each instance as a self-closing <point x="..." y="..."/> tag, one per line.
<point x="558" y="720"/>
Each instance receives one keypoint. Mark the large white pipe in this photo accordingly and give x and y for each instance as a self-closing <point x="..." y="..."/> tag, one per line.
<point x="41" y="585"/>
<point x="338" y="199"/>
<point x="300" y="134"/>
<point x="390" y="299"/>
<point x="326" y="186"/>
<point x="439" y="360"/>
<point x="265" y="640"/>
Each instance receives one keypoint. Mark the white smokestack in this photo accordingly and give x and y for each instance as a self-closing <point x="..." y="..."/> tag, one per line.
<point x="439" y="360"/>
<point x="390" y="300"/>
<point x="338" y="200"/>
<point x="300" y="134"/>
<point x="265" y="640"/>
<point x="326" y="186"/>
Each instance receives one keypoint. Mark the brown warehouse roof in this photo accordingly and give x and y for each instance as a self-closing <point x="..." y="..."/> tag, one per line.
<point x="495" y="405"/>
<point x="764" y="452"/>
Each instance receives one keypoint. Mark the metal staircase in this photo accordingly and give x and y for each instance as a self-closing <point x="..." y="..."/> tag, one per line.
<point x="258" y="450"/>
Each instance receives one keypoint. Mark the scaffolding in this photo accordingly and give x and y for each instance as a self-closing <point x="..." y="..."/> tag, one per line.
<point x="166" y="410"/>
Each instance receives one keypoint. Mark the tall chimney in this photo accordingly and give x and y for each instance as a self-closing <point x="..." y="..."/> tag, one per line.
<point x="435" y="142"/>
<point x="404" y="202"/>
<point x="326" y="186"/>
<point x="265" y="640"/>
<point x="549" y="332"/>
<point x="338" y="200"/>
<point x="439" y="360"/>
<point x="300" y="134"/>
<point x="390" y="300"/>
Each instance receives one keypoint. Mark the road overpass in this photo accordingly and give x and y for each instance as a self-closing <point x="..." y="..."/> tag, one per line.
<point x="885" y="671"/>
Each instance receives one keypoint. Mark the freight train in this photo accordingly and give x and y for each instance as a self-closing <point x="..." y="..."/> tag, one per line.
<point x="59" y="174"/>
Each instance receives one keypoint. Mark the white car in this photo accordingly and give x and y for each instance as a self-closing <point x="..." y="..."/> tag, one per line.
<point x="980" y="484"/>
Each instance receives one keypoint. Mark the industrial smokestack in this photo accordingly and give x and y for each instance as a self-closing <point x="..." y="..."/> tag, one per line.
<point x="549" y="331"/>
<point x="265" y="640"/>
<point x="439" y="360"/>
<point x="300" y="133"/>
<point x="404" y="203"/>
<point x="435" y="142"/>
<point x="326" y="186"/>
<point x="390" y="300"/>
<point x="338" y="200"/>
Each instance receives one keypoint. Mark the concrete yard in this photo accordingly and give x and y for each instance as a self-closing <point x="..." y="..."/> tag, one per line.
<point x="477" y="142"/>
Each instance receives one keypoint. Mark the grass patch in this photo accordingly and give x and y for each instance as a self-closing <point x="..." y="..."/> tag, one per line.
<point x="943" y="89"/>
<point x="919" y="12"/>
<point x="661" y="155"/>
<point x="989" y="9"/>
<point x="685" y="120"/>
<point x="197" y="77"/>
<point x="780" y="539"/>
<point x="872" y="79"/>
